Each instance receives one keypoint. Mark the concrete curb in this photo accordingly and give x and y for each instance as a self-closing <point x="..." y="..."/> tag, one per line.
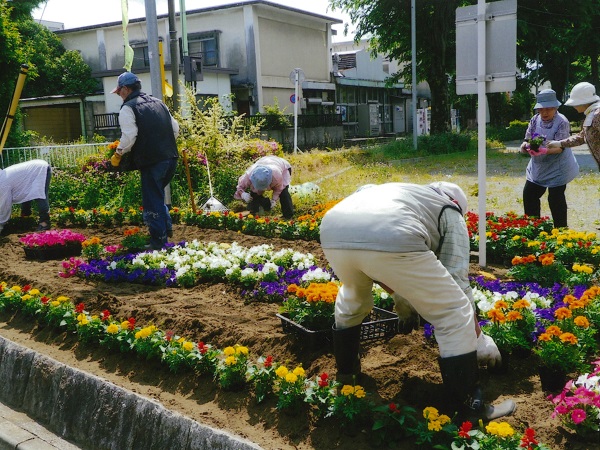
<point x="94" y="413"/>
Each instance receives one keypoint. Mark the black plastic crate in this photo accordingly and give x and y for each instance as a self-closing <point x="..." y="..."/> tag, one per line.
<point x="379" y="324"/>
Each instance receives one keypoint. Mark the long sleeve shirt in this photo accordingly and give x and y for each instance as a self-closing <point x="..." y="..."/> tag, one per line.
<point x="21" y="183"/>
<point x="281" y="177"/>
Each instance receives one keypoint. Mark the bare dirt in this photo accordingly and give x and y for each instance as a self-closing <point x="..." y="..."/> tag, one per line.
<point x="403" y="369"/>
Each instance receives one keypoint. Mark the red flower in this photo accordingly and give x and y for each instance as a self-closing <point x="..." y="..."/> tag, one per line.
<point x="393" y="408"/>
<point x="79" y="308"/>
<point x="323" y="380"/>
<point x="131" y="321"/>
<point x="464" y="430"/>
<point x="268" y="362"/>
<point x="44" y="300"/>
<point x="26" y="288"/>
<point x="169" y="335"/>
<point x="105" y="315"/>
<point x="528" y="438"/>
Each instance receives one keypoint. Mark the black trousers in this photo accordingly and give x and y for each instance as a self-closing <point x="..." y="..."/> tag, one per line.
<point x="258" y="201"/>
<point x="556" y="200"/>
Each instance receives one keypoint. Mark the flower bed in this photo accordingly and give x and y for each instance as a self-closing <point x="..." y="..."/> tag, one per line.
<point x="52" y="244"/>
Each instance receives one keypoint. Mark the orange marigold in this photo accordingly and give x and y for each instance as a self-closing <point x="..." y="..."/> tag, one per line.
<point x="513" y="316"/>
<point x="568" y="338"/>
<point x="521" y="304"/>
<point x="563" y="313"/>
<point x="582" y="321"/>
<point x="553" y="330"/>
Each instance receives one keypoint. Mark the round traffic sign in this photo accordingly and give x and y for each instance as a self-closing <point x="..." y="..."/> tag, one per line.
<point x="293" y="98"/>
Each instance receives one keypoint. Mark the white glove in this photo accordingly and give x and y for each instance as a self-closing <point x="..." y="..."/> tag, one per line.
<point x="273" y="203"/>
<point x="487" y="351"/>
<point x="246" y="197"/>
<point x="524" y="147"/>
<point x="553" y="144"/>
<point x="404" y="309"/>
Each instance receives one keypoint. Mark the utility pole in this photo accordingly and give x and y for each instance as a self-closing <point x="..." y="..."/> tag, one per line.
<point x="173" y="49"/>
<point x="153" y="54"/>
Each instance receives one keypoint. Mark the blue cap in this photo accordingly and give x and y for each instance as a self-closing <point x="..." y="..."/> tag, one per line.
<point x="125" y="79"/>
<point x="261" y="177"/>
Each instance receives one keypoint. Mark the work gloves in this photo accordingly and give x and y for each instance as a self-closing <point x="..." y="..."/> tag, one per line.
<point x="273" y="203"/>
<point x="404" y="309"/>
<point x="115" y="159"/>
<point x="246" y="197"/>
<point x="487" y="351"/>
<point x="525" y="147"/>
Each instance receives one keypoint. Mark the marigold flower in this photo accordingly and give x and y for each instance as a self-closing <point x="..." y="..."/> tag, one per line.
<point x="228" y="351"/>
<point x="568" y="338"/>
<point x="430" y="413"/>
<point x="188" y="346"/>
<point x="281" y="371"/>
<point x="563" y="313"/>
<point x="113" y="328"/>
<point x="553" y="330"/>
<point x="582" y="321"/>
<point x="291" y="377"/>
<point x="230" y="360"/>
<point x="501" y="429"/>
<point x="521" y="304"/>
<point x="513" y="316"/>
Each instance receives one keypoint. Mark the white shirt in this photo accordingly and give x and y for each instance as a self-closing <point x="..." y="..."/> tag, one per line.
<point x="21" y="183"/>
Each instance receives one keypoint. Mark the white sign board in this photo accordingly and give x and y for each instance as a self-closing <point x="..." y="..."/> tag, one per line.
<point x="501" y="47"/>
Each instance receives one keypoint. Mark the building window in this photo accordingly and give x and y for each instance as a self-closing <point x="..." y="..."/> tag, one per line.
<point x="141" y="58"/>
<point x="206" y="45"/>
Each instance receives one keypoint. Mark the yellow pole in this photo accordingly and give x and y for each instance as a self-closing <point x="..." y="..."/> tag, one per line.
<point x="161" y="62"/>
<point x="12" y="107"/>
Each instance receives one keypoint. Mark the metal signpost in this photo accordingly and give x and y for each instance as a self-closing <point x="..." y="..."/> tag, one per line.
<point x="486" y="55"/>
<point x="296" y="77"/>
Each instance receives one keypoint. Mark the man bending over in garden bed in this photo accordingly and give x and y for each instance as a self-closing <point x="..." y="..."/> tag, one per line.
<point x="22" y="183"/>
<point x="413" y="240"/>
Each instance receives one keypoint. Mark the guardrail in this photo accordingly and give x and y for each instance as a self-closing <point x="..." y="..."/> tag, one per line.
<point x="58" y="156"/>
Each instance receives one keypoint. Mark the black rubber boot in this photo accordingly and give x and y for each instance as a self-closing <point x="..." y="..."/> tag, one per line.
<point x="463" y="392"/>
<point x="346" y="345"/>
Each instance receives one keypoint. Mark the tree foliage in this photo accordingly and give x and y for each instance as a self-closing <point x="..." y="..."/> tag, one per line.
<point x="52" y="69"/>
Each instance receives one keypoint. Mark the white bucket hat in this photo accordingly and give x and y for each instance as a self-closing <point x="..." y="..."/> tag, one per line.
<point x="582" y="94"/>
<point x="454" y="191"/>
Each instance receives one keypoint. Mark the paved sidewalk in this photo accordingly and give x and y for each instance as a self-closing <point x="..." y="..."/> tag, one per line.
<point x="20" y="432"/>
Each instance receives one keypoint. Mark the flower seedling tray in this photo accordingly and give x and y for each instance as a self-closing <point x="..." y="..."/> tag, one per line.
<point x="53" y="252"/>
<point x="379" y="324"/>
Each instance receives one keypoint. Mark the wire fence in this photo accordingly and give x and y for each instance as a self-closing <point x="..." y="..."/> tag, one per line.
<point x="58" y="156"/>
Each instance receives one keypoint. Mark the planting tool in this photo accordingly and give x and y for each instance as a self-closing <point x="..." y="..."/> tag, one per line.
<point x="189" y="179"/>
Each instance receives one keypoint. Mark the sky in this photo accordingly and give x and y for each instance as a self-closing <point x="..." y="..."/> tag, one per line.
<point x="80" y="13"/>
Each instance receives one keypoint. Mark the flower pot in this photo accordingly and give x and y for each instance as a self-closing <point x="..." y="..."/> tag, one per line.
<point x="53" y="252"/>
<point x="552" y="379"/>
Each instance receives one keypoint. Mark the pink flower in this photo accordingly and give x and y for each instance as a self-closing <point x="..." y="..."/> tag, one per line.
<point x="578" y="416"/>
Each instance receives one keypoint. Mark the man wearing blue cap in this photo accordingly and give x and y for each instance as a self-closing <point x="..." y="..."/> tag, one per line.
<point x="267" y="173"/>
<point x="148" y="131"/>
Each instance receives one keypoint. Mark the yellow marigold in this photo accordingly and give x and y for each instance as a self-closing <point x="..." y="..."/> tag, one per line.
<point x="228" y="351"/>
<point x="188" y="346"/>
<point x="143" y="333"/>
<point x="125" y="325"/>
<point x="62" y="299"/>
<point x="84" y="321"/>
<point x="80" y="317"/>
<point x="581" y="321"/>
<point x="430" y="413"/>
<point x="553" y="330"/>
<point x="516" y="237"/>
<point x="521" y="304"/>
<point x="230" y="360"/>
<point x="563" y="313"/>
<point x="26" y="297"/>
<point x="444" y="419"/>
<point x="501" y="429"/>
<point x="434" y="425"/>
<point x="241" y="350"/>
<point x="16" y="288"/>
<point x="113" y="328"/>
<point x="347" y="390"/>
<point x="34" y="292"/>
<point x="359" y="392"/>
<point x="281" y="371"/>
<point x="55" y="303"/>
<point x="568" y="338"/>
<point x="299" y="371"/>
<point x="512" y="316"/>
<point x="291" y="377"/>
